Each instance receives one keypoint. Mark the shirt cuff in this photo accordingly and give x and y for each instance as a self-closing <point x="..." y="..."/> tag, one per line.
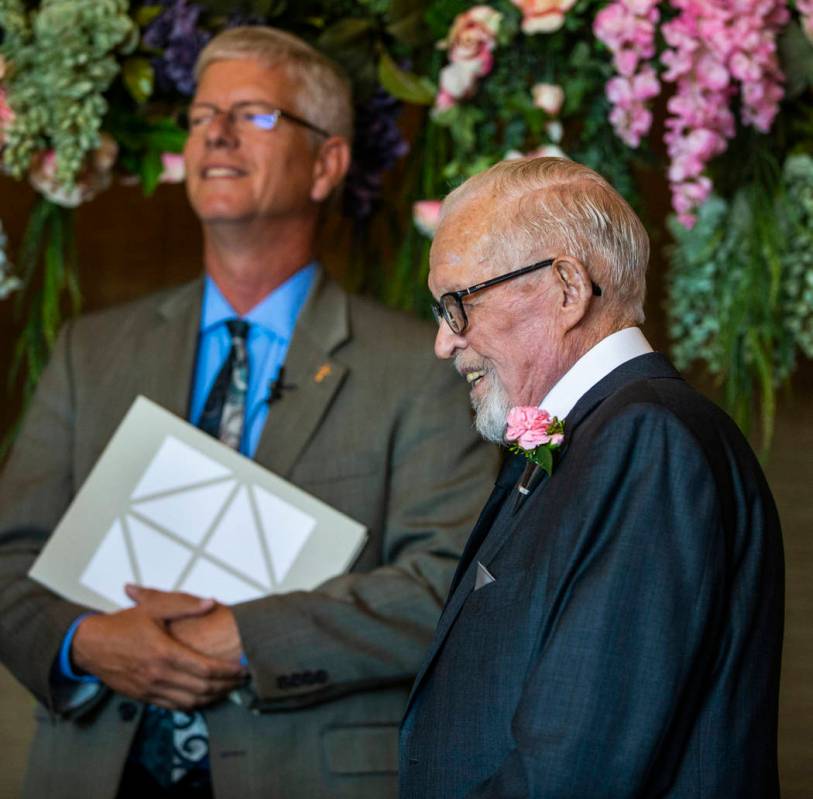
<point x="65" y="666"/>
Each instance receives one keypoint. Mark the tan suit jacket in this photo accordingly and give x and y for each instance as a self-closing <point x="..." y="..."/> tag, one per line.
<point x="382" y="434"/>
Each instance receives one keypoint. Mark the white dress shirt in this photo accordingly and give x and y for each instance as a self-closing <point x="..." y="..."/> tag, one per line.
<point x="593" y="366"/>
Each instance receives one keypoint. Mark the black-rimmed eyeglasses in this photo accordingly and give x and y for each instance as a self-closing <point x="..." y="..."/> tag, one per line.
<point x="245" y="117"/>
<point x="450" y="306"/>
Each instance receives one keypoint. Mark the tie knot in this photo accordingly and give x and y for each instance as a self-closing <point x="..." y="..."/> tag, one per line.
<point x="238" y="328"/>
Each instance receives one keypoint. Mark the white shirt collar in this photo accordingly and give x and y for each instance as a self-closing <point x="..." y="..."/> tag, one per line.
<point x="594" y="365"/>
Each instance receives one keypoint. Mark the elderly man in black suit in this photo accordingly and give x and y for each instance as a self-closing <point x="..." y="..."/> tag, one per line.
<point x="615" y="629"/>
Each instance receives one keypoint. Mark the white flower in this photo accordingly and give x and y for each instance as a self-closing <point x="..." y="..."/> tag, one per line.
<point x="549" y="97"/>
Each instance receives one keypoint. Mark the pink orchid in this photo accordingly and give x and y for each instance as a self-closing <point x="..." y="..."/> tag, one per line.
<point x="627" y="27"/>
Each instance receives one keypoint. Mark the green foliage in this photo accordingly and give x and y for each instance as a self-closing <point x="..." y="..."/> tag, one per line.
<point x="141" y="141"/>
<point x="48" y="268"/>
<point x="741" y="289"/>
<point x="402" y="84"/>
<point x="61" y="61"/>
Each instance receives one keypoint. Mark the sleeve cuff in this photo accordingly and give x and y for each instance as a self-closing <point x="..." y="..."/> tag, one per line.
<point x="66" y="670"/>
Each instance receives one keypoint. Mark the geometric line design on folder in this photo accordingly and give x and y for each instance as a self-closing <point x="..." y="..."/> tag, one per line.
<point x="110" y="568"/>
<point x="188" y="513"/>
<point x="287" y="529"/>
<point x="163" y="474"/>
<point x="231" y="589"/>
<point x="160" y="559"/>
<point x="191" y="526"/>
<point x="236" y="540"/>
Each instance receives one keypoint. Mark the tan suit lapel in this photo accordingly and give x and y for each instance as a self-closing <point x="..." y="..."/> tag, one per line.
<point x="313" y="375"/>
<point x="166" y="377"/>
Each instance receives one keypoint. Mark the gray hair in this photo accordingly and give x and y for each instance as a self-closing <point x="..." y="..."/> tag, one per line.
<point x="324" y="95"/>
<point x="557" y="202"/>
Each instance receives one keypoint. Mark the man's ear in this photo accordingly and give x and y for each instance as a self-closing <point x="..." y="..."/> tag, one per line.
<point x="576" y="290"/>
<point x="330" y="167"/>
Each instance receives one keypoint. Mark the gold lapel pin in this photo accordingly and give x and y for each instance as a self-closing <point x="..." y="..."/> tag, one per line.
<point x="322" y="372"/>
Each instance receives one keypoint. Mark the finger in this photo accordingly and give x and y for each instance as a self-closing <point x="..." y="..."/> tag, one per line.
<point x="187" y="660"/>
<point x="168" y="605"/>
<point x="202" y="690"/>
<point x="184" y="691"/>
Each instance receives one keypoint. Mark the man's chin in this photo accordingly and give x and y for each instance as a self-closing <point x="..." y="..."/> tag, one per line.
<point x="491" y="406"/>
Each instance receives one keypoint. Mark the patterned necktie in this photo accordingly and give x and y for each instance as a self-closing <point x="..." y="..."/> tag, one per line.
<point x="170" y="744"/>
<point x="224" y="413"/>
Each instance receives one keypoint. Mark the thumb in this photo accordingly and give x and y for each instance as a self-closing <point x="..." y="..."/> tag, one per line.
<point x="168" y="605"/>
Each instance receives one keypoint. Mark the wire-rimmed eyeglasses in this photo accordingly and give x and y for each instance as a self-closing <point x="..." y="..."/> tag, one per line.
<point x="450" y="306"/>
<point x="245" y="117"/>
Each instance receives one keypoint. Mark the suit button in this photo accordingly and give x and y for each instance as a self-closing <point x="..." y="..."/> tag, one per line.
<point x="128" y="711"/>
<point x="320" y="676"/>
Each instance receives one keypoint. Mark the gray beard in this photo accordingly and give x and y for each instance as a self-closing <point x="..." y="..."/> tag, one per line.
<point x="491" y="412"/>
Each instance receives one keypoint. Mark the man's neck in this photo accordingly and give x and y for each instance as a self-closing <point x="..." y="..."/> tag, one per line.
<point x="247" y="264"/>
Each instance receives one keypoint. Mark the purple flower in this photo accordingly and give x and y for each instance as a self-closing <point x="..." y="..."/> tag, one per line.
<point x="378" y="144"/>
<point x="176" y="32"/>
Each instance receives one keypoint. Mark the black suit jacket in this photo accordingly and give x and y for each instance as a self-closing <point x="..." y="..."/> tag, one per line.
<point x="630" y="643"/>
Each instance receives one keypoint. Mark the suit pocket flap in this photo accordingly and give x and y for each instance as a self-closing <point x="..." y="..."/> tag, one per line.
<point x="362" y="749"/>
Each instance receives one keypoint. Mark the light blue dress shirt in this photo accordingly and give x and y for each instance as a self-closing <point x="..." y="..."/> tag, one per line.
<point x="272" y="322"/>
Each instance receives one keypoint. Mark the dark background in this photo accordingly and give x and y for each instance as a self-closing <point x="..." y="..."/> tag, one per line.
<point x="130" y="246"/>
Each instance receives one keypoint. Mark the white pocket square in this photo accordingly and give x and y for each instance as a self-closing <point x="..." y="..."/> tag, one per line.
<point x="483" y="577"/>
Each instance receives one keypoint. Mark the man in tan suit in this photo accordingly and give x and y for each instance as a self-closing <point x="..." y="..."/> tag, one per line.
<point x="136" y="703"/>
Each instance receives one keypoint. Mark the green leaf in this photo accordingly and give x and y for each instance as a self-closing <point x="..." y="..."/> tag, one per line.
<point x="796" y="57"/>
<point x="139" y="78"/>
<point x="150" y="172"/>
<point x="411" y="30"/>
<point x="404" y="85"/>
<point x="146" y="14"/>
<point x="344" y="33"/>
<point x="544" y="459"/>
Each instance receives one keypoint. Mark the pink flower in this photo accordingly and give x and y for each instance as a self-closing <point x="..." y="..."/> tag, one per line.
<point x="717" y="49"/>
<point x="470" y="43"/>
<point x="549" y="97"/>
<point x="627" y="27"/>
<point x="174" y="170"/>
<point x="6" y="112"/>
<point x="528" y="426"/>
<point x="543" y="16"/>
<point x="94" y="177"/>
<point x="426" y="215"/>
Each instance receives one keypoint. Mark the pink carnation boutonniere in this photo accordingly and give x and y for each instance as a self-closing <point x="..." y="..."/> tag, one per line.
<point x="534" y="433"/>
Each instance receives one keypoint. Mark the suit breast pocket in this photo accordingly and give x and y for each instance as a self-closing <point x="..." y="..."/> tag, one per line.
<point x="504" y="594"/>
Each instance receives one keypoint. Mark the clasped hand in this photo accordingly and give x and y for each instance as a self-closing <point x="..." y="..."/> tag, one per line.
<point x="172" y="649"/>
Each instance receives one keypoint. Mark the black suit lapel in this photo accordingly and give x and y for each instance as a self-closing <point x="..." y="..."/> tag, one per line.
<point x="506" y="480"/>
<point x="509" y="474"/>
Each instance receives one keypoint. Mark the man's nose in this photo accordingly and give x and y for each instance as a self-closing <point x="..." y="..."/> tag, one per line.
<point x="221" y="130"/>
<point x="447" y="342"/>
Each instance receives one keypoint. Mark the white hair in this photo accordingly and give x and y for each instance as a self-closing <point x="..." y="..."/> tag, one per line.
<point x="324" y="96"/>
<point x="555" y="202"/>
